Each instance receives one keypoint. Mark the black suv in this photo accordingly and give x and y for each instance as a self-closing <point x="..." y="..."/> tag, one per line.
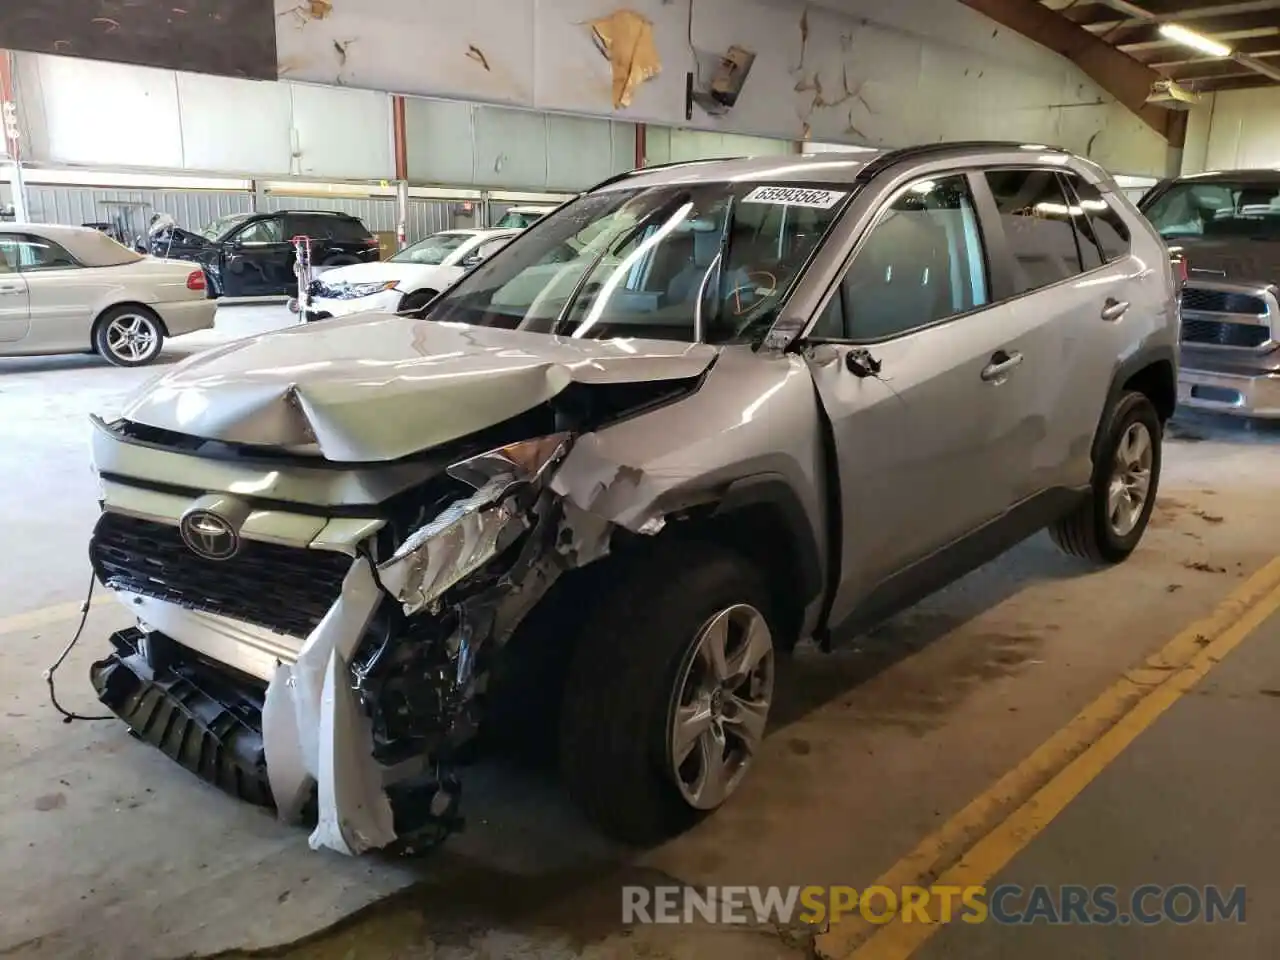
<point x="252" y="254"/>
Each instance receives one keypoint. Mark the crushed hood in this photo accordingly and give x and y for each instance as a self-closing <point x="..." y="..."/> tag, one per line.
<point x="378" y="387"/>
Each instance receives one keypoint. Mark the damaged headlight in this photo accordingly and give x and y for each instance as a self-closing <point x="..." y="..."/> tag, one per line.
<point x="355" y="291"/>
<point x="472" y="531"/>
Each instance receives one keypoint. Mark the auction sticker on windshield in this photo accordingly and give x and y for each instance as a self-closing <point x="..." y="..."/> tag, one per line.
<point x="796" y="196"/>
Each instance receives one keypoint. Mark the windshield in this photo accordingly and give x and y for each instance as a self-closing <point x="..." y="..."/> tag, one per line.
<point x="1240" y="210"/>
<point x="666" y="263"/>
<point x="220" y="226"/>
<point x="432" y="251"/>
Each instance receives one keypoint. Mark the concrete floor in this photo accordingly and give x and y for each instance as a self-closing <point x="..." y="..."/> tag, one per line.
<point x="113" y="851"/>
<point x="1191" y="802"/>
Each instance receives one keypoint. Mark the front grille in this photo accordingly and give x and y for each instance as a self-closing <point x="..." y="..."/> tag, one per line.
<point x="285" y="589"/>
<point x="1223" y="334"/>
<point x="1222" y="301"/>
<point x="1200" y="326"/>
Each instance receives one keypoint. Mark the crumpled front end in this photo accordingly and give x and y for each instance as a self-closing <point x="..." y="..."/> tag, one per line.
<point x="315" y="639"/>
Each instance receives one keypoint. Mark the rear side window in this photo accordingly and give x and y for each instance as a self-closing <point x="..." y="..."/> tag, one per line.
<point x="345" y="230"/>
<point x="1108" y="227"/>
<point x="262" y="231"/>
<point x="1037" y="219"/>
<point x="19" y="251"/>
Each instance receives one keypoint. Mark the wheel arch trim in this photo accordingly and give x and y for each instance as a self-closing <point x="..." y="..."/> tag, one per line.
<point x="1125" y="371"/>
<point x="772" y="490"/>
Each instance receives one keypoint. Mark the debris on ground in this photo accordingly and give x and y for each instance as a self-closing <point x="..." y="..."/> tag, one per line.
<point x="1203" y="567"/>
<point x="51" y="801"/>
<point x="1208" y="517"/>
<point x="1173" y="588"/>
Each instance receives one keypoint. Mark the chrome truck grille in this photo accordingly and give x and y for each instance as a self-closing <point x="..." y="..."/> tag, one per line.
<point x="281" y="588"/>
<point x="1229" y="316"/>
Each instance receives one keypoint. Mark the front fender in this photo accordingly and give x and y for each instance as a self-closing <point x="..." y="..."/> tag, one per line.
<point x="750" y="435"/>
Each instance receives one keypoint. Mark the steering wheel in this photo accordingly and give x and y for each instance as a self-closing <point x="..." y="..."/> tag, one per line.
<point x="760" y="285"/>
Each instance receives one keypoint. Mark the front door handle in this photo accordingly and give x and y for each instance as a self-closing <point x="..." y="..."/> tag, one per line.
<point x="1001" y="363"/>
<point x="1114" y="309"/>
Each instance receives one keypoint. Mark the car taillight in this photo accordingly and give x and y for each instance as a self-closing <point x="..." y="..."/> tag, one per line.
<point x="195" y="280"/>
<point x="1181" y="270"/>
<point x="371" y="241"/>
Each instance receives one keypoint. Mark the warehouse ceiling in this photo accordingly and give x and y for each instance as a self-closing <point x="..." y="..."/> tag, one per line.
<point x="1249" y="29"/>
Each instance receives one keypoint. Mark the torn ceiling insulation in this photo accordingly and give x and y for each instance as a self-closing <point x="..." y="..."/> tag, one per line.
<point x="626" y="40"/>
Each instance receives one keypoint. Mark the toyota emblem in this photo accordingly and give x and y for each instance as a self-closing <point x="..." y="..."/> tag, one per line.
<point x="210" y="536"/>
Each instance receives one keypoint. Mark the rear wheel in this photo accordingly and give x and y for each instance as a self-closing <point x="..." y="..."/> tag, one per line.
<point x="1107" y="526"/>
<point x="128" y="336"/>
<point x="669" y="691"/>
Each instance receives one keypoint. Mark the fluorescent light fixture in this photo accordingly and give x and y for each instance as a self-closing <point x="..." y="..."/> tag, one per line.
<point x="1196" y="41"/>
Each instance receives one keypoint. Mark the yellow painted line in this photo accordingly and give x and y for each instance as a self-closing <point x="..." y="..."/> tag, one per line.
<point x="39" y="618"/>
<point x="984" y="836"/>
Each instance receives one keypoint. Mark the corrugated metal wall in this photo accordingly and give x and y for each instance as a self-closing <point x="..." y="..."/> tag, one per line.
<point x="431" y="216"/>
<point x="191" y="209"/>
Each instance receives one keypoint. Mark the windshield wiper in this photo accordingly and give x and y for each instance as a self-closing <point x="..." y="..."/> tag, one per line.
<point x="664" y="210"/>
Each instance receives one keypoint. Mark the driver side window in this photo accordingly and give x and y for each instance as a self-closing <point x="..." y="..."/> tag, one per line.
<point x="922" y="262"/>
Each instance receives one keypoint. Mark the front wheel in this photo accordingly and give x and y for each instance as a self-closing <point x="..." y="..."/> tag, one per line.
<point x="669" y="692"/>
<point x="128" y="336"/>
<point x="1107" y="525"/>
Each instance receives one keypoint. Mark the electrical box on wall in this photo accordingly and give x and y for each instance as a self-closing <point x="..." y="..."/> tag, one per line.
<point x="718" y="83"/>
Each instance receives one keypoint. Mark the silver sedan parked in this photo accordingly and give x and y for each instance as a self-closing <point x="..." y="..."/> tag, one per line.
<point x="75" y="290"/>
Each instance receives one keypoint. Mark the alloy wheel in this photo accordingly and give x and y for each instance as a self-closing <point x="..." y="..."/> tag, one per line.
<point x="1130" y="484"/>
<point x="721" y="706"/>
<point x="132" y="337"/>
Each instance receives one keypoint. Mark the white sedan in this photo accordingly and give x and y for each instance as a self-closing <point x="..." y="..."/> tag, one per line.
<point x="406" y="282"/>
<point x="75" y="290"/>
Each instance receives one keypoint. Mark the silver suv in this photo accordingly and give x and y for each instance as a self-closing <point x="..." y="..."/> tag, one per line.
<point x="687" y="420"/>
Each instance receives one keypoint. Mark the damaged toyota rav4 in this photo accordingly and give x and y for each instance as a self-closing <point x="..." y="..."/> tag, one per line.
<point x="689" y="419"/>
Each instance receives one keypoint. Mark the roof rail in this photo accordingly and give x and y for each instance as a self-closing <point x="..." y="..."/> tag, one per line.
<point x="619" y="177"/>
<point x="878" y="165"/>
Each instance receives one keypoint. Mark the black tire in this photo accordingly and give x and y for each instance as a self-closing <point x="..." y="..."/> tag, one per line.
<point x="134" y="351"/>
<point x="340" y="260"/>
<point x="633" y="648"/>
<point x="414" y="303"/>
<point x="1087" y="531"/>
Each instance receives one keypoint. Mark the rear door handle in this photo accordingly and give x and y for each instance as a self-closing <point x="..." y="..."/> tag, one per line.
<point x="1114" y="309"/>
<point x="9" y="288"/>
<point x="1001" y="363"/>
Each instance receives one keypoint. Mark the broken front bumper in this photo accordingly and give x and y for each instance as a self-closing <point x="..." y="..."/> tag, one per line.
<point x="208" y="723"/>
<point x="259" y="670"/>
